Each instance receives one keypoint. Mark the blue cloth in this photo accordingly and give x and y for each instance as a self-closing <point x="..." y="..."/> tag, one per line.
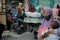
<point x="14" y="13"/>
<point x="37" y="8"/>
<point x="52" y="37"/>
<point x="42" y="16"/>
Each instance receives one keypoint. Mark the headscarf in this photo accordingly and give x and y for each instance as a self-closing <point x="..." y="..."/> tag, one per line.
<point x="49" y="10"/>
<point x="55" y="5"/>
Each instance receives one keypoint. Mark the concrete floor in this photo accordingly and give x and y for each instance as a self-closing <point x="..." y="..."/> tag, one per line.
<point x="14" y="36"/>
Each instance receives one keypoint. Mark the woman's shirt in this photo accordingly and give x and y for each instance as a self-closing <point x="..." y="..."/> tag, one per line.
<point x="20" y="9"/>
<point x="55" y="12"/>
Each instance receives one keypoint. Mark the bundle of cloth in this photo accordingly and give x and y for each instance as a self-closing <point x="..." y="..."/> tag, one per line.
<point x="33" y="14"/>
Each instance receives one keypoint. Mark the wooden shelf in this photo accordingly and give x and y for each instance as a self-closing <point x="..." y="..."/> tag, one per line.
<point x="4" y="6"/>
<point x="3" y="1"/>
<point x="3" y="12"/>
<point x="3" y="19"/>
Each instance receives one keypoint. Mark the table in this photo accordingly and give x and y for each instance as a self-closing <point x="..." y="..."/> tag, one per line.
<point x="33" y="20"/>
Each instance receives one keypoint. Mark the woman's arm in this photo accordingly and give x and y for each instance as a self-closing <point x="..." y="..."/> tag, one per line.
<point x="47" y="33"/>
<point x="42" y="24"/>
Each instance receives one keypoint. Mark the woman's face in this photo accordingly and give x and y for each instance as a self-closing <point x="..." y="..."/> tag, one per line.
<point x="45" y="13"/>
<point x="20" y="4"/>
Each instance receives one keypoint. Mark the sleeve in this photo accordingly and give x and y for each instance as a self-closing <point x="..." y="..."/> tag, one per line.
<point x="42" y="24"/>
<point x="56" y="15"/>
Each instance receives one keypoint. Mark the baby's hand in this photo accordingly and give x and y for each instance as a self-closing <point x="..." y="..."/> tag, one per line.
<point x="50" y="31"/>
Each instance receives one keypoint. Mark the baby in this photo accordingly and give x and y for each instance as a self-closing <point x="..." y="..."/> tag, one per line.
<point x="53" y="32"/>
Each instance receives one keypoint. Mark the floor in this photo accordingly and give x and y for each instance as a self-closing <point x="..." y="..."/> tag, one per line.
<point x="14" y="36"/>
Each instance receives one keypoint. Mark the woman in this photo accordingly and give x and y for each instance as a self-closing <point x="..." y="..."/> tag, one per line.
<point x="47" y="13"/>
<point x="21" y="14"/>
<point x="10" y="19"/>
<point x="52" y="33"/>
<point x="32" y="9"/>
<point x="20" y="8"/>
<point x="55" y="12"/>
<point x="21" y="11"/>
<point x="58" y="7"/>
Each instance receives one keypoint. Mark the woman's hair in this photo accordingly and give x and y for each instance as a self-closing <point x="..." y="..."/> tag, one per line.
<point x="54" y="25"/>
<point x="58" y="6"/>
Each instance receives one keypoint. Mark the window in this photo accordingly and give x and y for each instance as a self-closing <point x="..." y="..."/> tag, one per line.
<point x="0" y="6"/>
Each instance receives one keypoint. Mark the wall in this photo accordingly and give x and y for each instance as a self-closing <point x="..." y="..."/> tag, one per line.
<point x="2" y="12"/>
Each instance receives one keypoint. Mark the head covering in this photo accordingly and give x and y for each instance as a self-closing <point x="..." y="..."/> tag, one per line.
<point x="49" y="10"/>
<point x="20" y="4"/>
<point x="55" y="5"/>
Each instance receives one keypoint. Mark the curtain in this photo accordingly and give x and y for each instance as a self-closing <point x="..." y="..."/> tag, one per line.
<point x="57" y="1"/>
<point x="48" y="3"/>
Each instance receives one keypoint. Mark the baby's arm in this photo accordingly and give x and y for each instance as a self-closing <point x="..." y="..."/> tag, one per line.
<point x="47" y="33"/>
